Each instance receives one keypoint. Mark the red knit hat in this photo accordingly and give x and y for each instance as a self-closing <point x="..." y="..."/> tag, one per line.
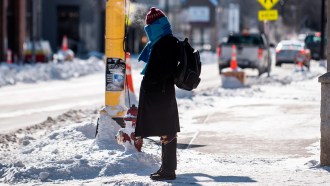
<point x="153" y="15"/>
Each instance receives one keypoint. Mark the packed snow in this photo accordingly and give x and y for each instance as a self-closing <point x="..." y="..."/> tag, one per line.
<point x="265" y="133"/>
<point x="12" y="74"/>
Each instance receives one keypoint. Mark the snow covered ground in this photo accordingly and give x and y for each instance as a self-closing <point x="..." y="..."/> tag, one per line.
<point x="13" y="74"/>
<point x="265" y="133"/>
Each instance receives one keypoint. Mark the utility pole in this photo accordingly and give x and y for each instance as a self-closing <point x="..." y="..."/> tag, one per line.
<point x="322" y="31"/>
<point x="166" y="7"/>
<point x="328" y="36"/>
<point x="3" y="29"/>
<point x="325" y="106"/>
<point x="20" y="24"/>
<point x="33" y="31"/>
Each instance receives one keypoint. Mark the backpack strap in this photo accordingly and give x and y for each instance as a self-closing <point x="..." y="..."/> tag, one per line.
<point x="183" y="57"/>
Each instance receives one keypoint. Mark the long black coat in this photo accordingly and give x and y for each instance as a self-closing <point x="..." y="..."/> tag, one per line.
<point x="158" y="110"/>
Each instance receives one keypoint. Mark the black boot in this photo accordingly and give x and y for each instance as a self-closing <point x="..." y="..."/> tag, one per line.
<point x="161" y="167"/>
<point x="159" y="170"/>
<point x="169" y="162"/>
<point x="163" y="175"/>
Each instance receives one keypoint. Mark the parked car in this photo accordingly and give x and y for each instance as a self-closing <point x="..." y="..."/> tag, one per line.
<point x="252" y="52"/>
<point x="43" y="51"/>
<point x="313" y="43"/>
<point x="289" y="51"/>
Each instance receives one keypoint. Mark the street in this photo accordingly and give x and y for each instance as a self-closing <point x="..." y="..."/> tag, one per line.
<point x="29" y="104"/>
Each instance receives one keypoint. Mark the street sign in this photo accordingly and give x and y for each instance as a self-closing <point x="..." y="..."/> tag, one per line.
<point x="268" y="4"/>
<point x="268" y="15"/>
<point x="233" y="18"/>
<point x="199" y="14"/>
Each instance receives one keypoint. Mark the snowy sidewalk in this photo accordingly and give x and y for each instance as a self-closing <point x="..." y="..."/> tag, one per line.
<point x="264" y="134"/>
<point x="267" y="137"/>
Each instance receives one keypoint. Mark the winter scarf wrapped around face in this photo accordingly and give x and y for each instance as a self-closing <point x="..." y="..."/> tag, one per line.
<point x="155" y="31"/>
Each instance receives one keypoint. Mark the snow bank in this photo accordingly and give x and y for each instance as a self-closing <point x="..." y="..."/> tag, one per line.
<point x="285" y="79"/>
<point x="208" y="57"/>
<point x="231" y="82"/>
<point x="106" y="138"/>
<point x="13" y="74"/>
<point x="70" y="153"/>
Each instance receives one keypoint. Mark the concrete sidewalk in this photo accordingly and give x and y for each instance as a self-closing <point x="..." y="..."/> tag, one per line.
<point x="262" y="140"/>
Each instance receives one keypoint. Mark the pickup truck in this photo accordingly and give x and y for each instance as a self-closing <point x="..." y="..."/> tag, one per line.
<point x="252" y="52"/>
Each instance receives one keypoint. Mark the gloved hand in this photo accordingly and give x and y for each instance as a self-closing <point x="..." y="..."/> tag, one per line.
<point x="138" y="141"/>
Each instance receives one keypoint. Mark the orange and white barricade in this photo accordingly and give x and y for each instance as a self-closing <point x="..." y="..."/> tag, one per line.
<point x="130" y="98"/>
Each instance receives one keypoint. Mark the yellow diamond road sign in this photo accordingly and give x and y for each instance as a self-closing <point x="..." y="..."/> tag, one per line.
<point x="267" y="15"/>
<point x="268" y="4"/>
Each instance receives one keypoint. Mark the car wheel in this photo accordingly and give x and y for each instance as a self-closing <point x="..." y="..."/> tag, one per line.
<point x="260" y="71"/>
<point x="268" y="69"/>
<point x="278" y="64"/>
<point x="220" y="70"/>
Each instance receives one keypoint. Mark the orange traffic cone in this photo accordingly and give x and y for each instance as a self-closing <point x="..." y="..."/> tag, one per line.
<point x="299" y="60"/>
<point x="300" y="65"/>
<point x="9" y="57"/>
<point x="233" y="61"/>
<point x="65" y="43"/>
<point x="228" y="76"/>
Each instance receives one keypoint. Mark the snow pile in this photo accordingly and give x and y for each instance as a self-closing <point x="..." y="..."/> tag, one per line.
<point x="285" y="79"/>
<point x="12" y="74"/>
<point x="70" y="153"/>
<point x="231" y="82"/>
<point x="208" y="57"/>
<point x="106" y="138"/>
<point x="275" y="78"/>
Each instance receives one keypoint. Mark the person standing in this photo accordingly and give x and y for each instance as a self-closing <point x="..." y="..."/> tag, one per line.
<point x="158" y="111"/>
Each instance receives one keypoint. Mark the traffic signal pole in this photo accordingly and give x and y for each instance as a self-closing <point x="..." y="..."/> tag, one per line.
<point x="115" y="57"/>
<point x="111" y="117"/>
<point x="322" y="31"/>
<point x="115" y="75"/>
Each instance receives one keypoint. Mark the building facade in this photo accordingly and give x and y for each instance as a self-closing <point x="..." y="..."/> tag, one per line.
<point x="82" y="21"/>
<point x="13" y="28"/>
<point x="22" y="21"/>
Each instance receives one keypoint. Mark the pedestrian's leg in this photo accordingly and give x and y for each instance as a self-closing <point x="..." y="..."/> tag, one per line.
<point x="169" y="160"/>
<point x="162" y="158"/>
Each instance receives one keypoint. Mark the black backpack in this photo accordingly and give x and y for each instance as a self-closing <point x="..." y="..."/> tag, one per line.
<point x="189" y="67"/>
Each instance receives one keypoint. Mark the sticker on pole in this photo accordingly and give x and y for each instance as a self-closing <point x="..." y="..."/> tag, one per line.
<point x="268" y="4"/>
<point x="268" y="15"/>
<point x="115" y="74"/>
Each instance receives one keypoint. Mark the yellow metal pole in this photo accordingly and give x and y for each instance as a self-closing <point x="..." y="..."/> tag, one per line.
<point x="115" y="57"/>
